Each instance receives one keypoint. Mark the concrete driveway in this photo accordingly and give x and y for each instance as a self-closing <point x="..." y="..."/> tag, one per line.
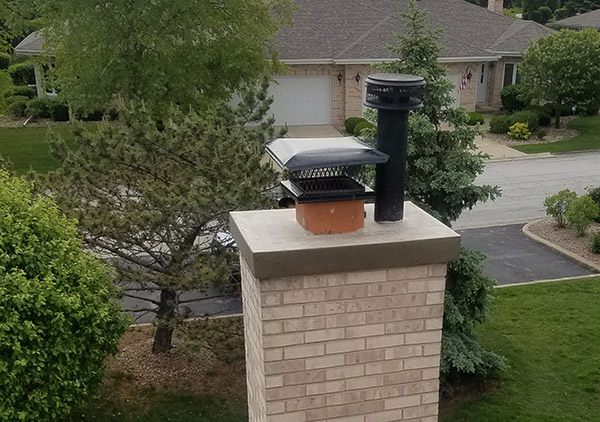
<point x="514" y="258"/>
<point x="323" y="131"/>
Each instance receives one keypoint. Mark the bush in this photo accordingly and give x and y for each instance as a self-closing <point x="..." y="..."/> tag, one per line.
<point x="17" y="106"/>
<point x="519" y="131"/>
<point x="39" y="108"/>
<point x="510" y="97"/>
<point x="561" y="13"/>
<point x="530" y="117"/>
<point x="475" y="118"/>
<point x="565" y="110"/>
<point x="24" y="91"/>
<point x="546" y="13"/>
<point x="596" y="243"/>
<point x="500" y="124"/>
<point x="544" y="118"/>
<point x="94" y="116"/>
<point x="594" y="193"/>
<point x="59" y="111"/>
<point x="468" y="297"/>
<point x="4" y="61"/>
<point x="589" y="109"/>
<point x="362" y="126"/>
<point x="582" y="212"/>
<point x="15" y="98"/>
<point x="59" y="319"/>
<point x="351" y="123"/>
<point x="558" y="205"/>
<point x="22" y="74"/>
<point x="541" y="133"/>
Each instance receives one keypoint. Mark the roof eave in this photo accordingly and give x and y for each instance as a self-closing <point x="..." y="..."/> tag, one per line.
<point x="25" y="52"/>
<point x="386" y="60"/>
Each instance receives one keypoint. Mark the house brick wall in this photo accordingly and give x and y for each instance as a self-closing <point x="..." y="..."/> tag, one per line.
<point x="345" y="347"/>
<point x="495" y="81"/>
<point x="347" y="95"/>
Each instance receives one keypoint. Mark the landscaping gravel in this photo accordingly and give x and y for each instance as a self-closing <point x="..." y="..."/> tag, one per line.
<point x="567" y="238"/>
<point x="552" y="135"/>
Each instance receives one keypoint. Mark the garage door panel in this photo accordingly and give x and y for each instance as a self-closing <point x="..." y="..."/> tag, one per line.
<point x="455" y="92"/>
<point x="301" y="100"/>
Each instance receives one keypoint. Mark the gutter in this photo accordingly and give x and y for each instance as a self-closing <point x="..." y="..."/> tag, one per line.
<point x="387" y="60"/>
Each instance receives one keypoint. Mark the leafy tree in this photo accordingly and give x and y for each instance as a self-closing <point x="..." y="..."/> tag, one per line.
<point x="563" y="68"/>
<point x="59" y="319"/>
<point x="153" y="196"/>
<point x="558" y="205"/>
<point x="189" y="52"/>
<point x="582" y="212"/>
<point x="442" y="165"/>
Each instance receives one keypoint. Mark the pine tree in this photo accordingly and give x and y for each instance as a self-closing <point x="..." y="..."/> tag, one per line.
<point x="442" y="165"/>
<point x="152" y="196"/>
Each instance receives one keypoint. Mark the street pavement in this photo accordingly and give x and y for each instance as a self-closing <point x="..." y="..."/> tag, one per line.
<point x="525" y="184"/>
<point x="493" y="228"/>
<point x="514" y="258"/>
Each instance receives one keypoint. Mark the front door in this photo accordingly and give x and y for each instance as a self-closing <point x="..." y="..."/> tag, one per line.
<point x="482" y="82"/>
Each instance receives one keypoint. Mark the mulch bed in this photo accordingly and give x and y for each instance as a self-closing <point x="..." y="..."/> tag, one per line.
<point x="182" y="370"/>
<point x="567" y="238"/>
<point x="10" y="122"/>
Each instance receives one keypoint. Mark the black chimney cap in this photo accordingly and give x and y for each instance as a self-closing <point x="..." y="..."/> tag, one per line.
<point x="325" y="169"/>
<point x="394" y="91"/>
<point x="311" y="153"/>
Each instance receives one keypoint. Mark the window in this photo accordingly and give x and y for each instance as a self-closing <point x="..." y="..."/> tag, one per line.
<point x="511" y="74"/>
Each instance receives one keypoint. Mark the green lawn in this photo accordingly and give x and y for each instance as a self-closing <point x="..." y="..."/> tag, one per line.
<point x="550" y="335"/>
<point x="589" y="138"/>
<point x="28" y="147"/>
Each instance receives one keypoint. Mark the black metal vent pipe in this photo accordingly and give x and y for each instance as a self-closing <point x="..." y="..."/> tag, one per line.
<point x="394" y="96"/>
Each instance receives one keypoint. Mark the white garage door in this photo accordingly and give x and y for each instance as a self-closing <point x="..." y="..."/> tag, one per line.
<point x="301" y="100"/>
<point x="455" y="92"/>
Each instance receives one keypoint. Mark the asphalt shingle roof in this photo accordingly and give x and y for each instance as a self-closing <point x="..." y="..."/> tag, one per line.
<point x="32" y="44"/>
<point x="585" y="20"/>
<point x="361" y="30"/>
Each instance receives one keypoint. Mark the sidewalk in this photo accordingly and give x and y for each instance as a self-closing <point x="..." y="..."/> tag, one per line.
<point x="497" y="151"/>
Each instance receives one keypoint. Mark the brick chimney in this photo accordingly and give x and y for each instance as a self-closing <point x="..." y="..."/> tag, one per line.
<point x="496" y="5"/>
<point x="345" y="327"/>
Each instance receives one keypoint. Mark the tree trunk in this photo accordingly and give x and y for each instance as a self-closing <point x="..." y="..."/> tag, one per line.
<point x="166" y="319"/>
<point x="557" y="114"/>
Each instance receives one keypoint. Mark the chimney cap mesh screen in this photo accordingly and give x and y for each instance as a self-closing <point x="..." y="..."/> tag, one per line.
<point x="328" y="184"/>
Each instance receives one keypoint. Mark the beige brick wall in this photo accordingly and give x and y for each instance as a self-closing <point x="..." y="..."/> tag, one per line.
<point x="495" y="81"/>
<point x="348" y="347"/>
<point x="347" y="96"/>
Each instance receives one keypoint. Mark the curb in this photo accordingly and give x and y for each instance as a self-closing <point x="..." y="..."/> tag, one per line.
<point x="585" y="262"/>
<point x="151" y="324"/>
<point x="523" y="157"/>
<point x="551" y="280"/>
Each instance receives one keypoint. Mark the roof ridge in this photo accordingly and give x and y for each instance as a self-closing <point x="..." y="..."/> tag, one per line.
<point x="513" y="29"/>
<point x="364" y="36"/>
<point x="516" y="27"/>
<point x="465" y="43"/>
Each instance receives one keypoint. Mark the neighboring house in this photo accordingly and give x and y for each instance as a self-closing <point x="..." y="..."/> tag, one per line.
<point x="582" y="21"/>
<point x="32" y="46"/>
<point x="333" y="43"/>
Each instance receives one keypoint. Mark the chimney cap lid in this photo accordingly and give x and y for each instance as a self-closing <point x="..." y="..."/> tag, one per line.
<point x="395" y="79"/>
<point x="313" y="153"/>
